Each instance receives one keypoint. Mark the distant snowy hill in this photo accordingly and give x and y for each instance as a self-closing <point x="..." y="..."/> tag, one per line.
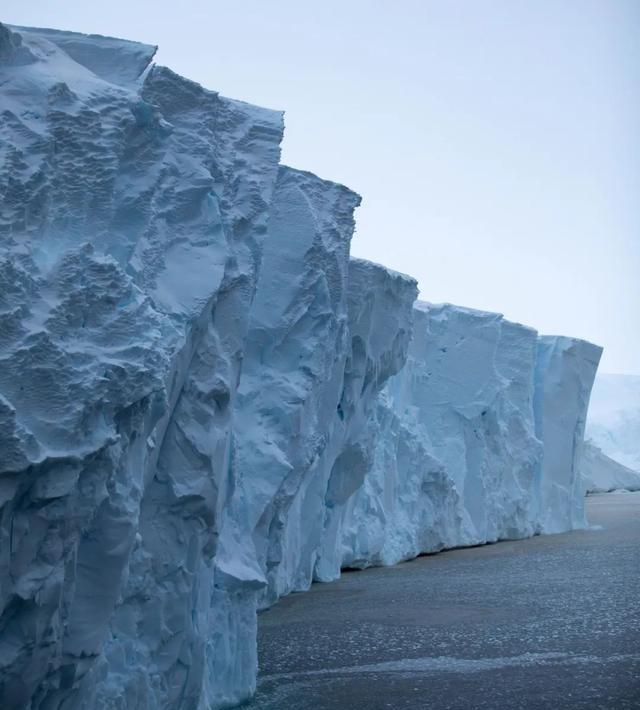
<point x="602" y="474"/>
<point x="614" y="418"/>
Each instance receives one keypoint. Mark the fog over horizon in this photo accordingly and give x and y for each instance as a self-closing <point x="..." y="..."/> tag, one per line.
<point x="495" y="144"/>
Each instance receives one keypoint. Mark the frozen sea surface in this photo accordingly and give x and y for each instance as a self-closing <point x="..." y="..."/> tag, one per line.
<point x="550" y="622"/>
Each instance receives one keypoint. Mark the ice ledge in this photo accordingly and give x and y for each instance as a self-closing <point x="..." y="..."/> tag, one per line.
<point x="118" y="61"/>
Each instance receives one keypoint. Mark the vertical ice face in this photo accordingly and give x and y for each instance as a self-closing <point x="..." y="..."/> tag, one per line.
<point x="474" y="397"/>
<point x="456" y="449"/>
<point x="325" y="334"/>
<point x="132" y="215"/>
<point x="565" y="370"/>
<point x="291" y="382"/>
<point x="478" y="438"/>
<point x="380" y="326"/>
<point x="235" y="150"/>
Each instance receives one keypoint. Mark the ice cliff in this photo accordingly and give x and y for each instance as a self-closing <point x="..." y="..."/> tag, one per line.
<point x="134" y="206"/>
<point x="205" y="403"/>
<point x="475" y="439"/>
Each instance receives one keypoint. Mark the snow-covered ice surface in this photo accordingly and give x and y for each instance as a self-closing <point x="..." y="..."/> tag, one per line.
<point x="602" y="474"/>
<point x="205" y="403"/>
<point x="614" y="418"/>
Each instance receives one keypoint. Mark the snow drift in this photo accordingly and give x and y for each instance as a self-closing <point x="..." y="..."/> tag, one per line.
<point x="206" y="404"/>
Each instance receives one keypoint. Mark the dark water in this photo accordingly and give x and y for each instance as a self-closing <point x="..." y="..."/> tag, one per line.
<point x="552" y="622"/>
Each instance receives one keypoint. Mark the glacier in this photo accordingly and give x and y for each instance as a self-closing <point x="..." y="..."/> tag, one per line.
<point x="613" y="423"/>
<point x="603" y="474"/>
<point x="206" y="403"/>
<point x="612" y="449"/>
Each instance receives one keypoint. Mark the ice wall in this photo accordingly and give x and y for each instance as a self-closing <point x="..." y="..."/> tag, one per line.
<point x="456" y="448"/>
<point x="565" y="370"/>
<point x="206" y="404"/>
<point x="133" y="208"/>
<point x="296" y="350"/>
<point x="325" y="333"/>
<point x="296" y="353"/>
<point x="380" y="326"/>
<point x="477" y="439"/>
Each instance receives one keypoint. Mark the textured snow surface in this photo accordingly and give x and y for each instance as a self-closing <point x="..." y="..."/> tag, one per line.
<point x="133" y="212"/>
<point x="614" y="418"/>
<point x="206" y="404"/>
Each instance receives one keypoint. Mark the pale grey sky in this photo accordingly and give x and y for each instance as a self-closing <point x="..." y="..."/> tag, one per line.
<point x="495" y="142"/>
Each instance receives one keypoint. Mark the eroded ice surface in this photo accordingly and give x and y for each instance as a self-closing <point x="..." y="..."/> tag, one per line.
<point x="133" y="212"/>
<point x="205" y="403"/>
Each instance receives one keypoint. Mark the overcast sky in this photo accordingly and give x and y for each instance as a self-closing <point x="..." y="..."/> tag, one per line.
<point x="496" y="143"/>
